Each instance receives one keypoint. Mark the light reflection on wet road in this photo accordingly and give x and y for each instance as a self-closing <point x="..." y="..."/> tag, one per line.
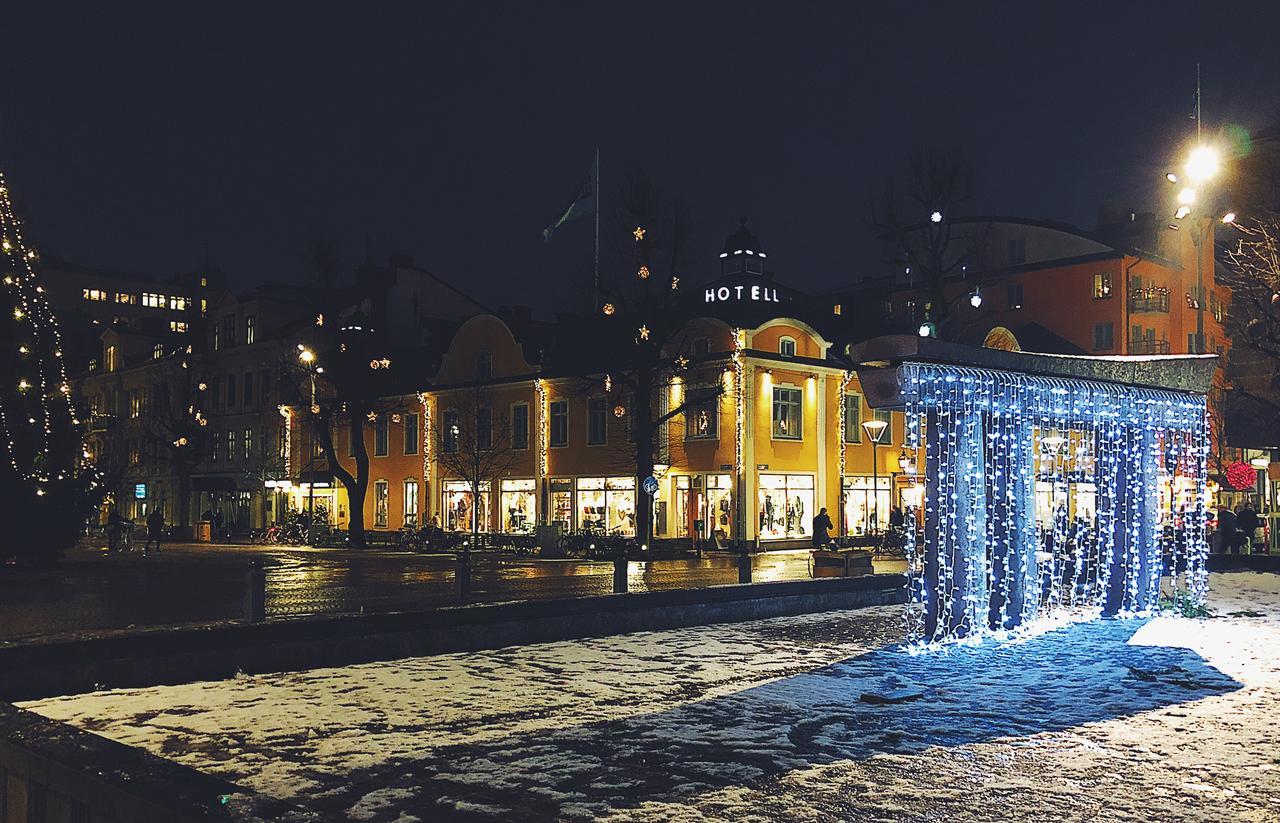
<point x="191" y="584"/>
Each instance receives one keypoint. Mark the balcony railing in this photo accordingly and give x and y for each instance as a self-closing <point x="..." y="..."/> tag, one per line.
<point x="1148" y="303"/>
<point x="1148" y="347"/>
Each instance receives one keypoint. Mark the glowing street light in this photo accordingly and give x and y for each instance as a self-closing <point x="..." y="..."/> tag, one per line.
<point x="1229" y="218"/>
<point x="307" y="356"/>
<point x="975" y="298"/>
<point x="1202" y="164"/>
<point x="1187" y="196"/>
<point x="936" y="217"/>
<point x="1182" y="212"/>
<point x="926" y="329"/>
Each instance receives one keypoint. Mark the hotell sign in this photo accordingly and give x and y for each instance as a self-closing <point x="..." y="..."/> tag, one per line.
<point x="755" y="293"/>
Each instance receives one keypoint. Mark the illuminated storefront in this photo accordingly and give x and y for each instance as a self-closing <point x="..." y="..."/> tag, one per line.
<point x="866" y="511"/>
<point x="562" y="503"/>
<point x="706" y="500"/>
<point x="607" y="503"/>
<point x="459" y="506"/>
<point x="786" y="506"/>
<point x="519" y="505"/>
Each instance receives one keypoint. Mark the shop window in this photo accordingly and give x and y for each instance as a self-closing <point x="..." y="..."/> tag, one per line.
<point x="866" y="504"/>
<point x="786" y="413"/>
<point x="380" y="446"/>
<point x="786" y="506"/>
<point x="597" y="421"/>
<point x="410" y="503"/>
<point x="460" y="506"/>
<point x="381" y="503"/>
<point x="520" y="426"/>
<point x="607" y="505"/>
<point x="562" y="503"/>
<point x="787" y="346"/>
<point x="519" y="500"/>
<point x="411" y="434"/>
<point x="449" y="431"/>
<point x="853" y="418"/>
<point x="559" y="423"/>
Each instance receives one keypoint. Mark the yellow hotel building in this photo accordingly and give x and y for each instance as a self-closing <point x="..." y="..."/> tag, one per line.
<point x="782" y="440"/>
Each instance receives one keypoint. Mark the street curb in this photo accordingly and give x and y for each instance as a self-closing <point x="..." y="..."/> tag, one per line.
<point x="37" y="670"/>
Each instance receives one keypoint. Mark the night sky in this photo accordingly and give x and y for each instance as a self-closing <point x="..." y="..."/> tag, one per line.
<point x="154" y="139"/>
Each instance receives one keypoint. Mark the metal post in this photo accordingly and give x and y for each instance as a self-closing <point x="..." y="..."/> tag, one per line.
<point x="255" y="603"/>
<point x="875" y="485"/>
<point x="311" y="463"/>
<point x="620" y="573"/>
<point x="462" y="572"/>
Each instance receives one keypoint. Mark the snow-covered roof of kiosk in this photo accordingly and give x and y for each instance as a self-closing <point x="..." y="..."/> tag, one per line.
<point x="876" y="361"/>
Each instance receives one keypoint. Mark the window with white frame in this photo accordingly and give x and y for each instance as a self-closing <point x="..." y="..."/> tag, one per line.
<point x="787" y="408"/>
<point x="787" y="346"/>
<point x="381" y="503"/>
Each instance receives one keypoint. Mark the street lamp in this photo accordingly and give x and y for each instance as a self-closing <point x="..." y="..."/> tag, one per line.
<point x="1201" y="167"/>
<point x="308" y="358"/>
<point x="875" y="428"/>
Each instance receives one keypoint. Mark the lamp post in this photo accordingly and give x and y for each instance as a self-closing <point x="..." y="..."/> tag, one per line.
<point x="875" y="428"/>
<point x="308" y="358"/>
<point x="1202" y="166"/>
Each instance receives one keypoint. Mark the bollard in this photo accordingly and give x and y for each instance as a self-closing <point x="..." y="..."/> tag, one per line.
<point x="462" y="571"/>
<point x="744" y="565"/>
<point x="620" y="575"/>
<point x="255" y="597"/>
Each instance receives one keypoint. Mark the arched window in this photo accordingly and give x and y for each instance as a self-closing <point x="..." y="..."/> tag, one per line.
<point x="787" y="346"/>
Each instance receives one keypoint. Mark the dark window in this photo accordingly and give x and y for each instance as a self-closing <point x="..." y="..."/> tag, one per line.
<point x="597" y="421"/>
<point x="1015" y="296"/>
<point x="887" y="417"/>
<point x="215" y="394"/>
<point x="411" y="434"/>
<point x="449" y="431"/>
<point x="229" y="330"/>
<point x="701" y="346"/>
<point x="787" y="347"/>
<point x="853" y="418"/>
<point x="484" y="428"/>
<point x="248" y="388"/>
<point x="231" y="391"/>
<point x="380" y="436"/>
<point x="1016" y="251"/>
<point x="520" y="426"/>
<point x="559" y="423"/>
<point x="484" y="367"/>
<point x="786" y="414"/>
<point x="1103" y="336"/>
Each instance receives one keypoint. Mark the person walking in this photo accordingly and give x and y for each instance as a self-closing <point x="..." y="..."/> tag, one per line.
<point x="1247" y="521"/>
<point x="155" y="530"/>
<point x="821" y="529"/>
<point x="115" y="526"/>
<point x="217" y="526"/>
<point x="1227" y="534"/>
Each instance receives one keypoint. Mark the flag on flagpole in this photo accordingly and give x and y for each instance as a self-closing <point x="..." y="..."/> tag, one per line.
<point x="584" y="203"/>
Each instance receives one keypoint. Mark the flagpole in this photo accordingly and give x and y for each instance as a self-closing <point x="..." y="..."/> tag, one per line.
<point x="595" y="192"/>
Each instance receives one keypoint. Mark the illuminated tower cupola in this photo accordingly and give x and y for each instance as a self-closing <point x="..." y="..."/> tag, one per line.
<point x="742" y="253"/>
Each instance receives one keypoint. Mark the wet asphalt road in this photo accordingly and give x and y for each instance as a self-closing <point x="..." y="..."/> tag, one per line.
<point x="197" y="584"/>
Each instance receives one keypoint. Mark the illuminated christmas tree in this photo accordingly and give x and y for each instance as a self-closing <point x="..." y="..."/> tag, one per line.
<point x="44" y="478"/>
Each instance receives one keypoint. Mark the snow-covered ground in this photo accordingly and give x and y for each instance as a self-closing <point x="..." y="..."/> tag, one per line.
<point x="1169" y="719"/>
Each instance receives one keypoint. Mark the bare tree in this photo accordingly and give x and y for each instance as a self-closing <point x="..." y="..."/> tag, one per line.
<point x="916" y="222"/>
<point x="1252" y="271"/>
<point x="644" y="336"/>
<point x="172" y="429"/>
<point x="475" y="445"/>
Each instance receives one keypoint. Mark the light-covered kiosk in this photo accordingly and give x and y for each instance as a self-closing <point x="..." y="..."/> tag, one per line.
<point x="1050" y="481"/>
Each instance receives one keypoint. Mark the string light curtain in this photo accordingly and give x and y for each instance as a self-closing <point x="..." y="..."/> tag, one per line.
<point x="1047" y="493"/>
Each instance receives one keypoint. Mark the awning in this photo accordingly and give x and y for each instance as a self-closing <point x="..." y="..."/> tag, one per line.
<point x="320" y="477"/>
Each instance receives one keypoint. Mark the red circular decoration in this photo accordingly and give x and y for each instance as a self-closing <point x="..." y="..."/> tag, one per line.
<point x="1242" y="476"/>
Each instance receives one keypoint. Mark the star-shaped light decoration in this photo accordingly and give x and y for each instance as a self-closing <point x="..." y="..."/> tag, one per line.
<point x="372" y="416"/>
<point x="644" y="332"/>
<point x="675" y="283"/>
<point x="619" y="410"/>
<point x="638" y="233"/>
<point x="315" y="408"/>
<point x="608" y="383"/>
<point x="386" y="362"/>
<point x="643" y="273"/>
<point x="682" y="361"/>
<point x="608" y="309"/>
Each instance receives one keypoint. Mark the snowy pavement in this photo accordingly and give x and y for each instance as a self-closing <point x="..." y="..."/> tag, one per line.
<point x="1170" y="719"/>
